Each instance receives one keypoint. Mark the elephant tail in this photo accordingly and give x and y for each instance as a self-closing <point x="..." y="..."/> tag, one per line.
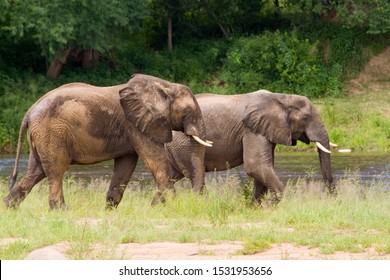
<point x="12" y="178"/>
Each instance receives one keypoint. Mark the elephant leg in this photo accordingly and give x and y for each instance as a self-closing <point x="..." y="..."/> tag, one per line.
<point x="259" y="164"/>
<point x="259" y="191"/>
<point x="163" y="181"/>
<point x="55" y="168"/>
<point x="34" y="175"/>
<point x="157" y="162"/>
<point x="123" y="169"/>
<point x="186" y="158"/>
<point x="175" y="172"/>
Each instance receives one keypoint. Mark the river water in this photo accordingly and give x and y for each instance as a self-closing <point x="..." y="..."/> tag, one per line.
<point x="365" y="168"/>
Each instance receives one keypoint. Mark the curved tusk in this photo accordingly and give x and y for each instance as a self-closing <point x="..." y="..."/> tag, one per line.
<point x="322" y="148"/>
<point x="210" y="142"/>
<point x="200" y="141"/>
<point x="333" y="144"/>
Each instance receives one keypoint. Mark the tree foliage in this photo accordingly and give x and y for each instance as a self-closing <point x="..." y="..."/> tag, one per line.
<point x="370" y="15"/>
<point x="205" y="18"/>
<point x="55" y="25"/>
<point x="279" y="61"/>
<point x="32" y="31"/>
<point x="308" y="47"/>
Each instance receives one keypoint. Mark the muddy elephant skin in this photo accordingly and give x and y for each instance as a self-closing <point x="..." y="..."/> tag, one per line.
<point x="79" y="123"/>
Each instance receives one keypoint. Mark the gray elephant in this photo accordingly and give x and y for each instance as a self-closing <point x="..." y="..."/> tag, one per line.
<point x="83" y="124"/>
<point x="245" y="129"/>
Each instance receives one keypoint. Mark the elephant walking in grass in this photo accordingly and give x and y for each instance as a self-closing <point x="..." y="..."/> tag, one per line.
<point x="83" y="124"/>
<point x="245" y="130"/>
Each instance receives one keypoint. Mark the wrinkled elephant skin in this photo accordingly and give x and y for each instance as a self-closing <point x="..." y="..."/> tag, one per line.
<point x="83" y="124"/>
<point x="245" y="129"/>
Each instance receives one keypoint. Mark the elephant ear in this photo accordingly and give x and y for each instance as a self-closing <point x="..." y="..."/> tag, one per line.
<point x="269" y="117"/>
<point x="148" y="108"/>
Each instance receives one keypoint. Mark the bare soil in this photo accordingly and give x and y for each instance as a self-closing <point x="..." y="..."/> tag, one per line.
<point x="196" y="251"/>
<point x="375" y="75"/>
<point x="230" y="250"/>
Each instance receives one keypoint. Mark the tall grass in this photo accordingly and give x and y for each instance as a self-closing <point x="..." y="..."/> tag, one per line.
<point x="358" y="218"/>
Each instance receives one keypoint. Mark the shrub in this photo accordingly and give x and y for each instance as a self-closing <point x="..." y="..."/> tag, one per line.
<point x="280" y="61"/>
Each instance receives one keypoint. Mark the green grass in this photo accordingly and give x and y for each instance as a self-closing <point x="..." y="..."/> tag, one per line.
<point x="360" y="122"/>
<point x="358" y="218"/>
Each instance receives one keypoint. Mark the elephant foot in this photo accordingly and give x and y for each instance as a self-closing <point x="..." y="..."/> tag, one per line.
<point x="272" y="201"/>
<point x="158" y="198"/>
<point x="276" y="197"/>
<point x="332" y="189"/>
<point x="332" y="194"/>
<point x="10" y="202"/>
<point x="204" y="191"/>
<point x="58" y="205"/>
<point x="113" y="198"/>
<point x="259" y="198"/>
<point x="111" y="204"/>
<point x="161" y="196"/>
<point x="14" y="199"/>
<point x="201" y="191"/>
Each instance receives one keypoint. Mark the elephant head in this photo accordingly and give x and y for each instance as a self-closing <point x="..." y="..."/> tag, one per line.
<point x="286" y="118"/>
<point x="156" y="107"/>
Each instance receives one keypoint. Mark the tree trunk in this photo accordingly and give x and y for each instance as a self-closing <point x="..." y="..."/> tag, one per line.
<point x="276" y="14"/>
<point x="57" y="63"/>
<point x="170" y="33"/>
<point x="90" y="58"/>
<point x="224" y="30"/>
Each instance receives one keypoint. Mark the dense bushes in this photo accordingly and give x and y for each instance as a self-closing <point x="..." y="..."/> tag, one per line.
<point x="281" y="62"/>
<point x="313" y="61"/>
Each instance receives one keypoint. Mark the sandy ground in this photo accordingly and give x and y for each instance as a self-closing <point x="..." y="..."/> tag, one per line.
<point x="195" y="251"/>
<point x="230" y="250"/>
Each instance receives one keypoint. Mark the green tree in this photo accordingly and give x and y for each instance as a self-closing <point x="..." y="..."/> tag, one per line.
<point x="87" y="27"/>
<point x="178" y="19"/>
<point x="170" y="15"/>
<point x="233" y="16"/>
<point x="371" y="15"/>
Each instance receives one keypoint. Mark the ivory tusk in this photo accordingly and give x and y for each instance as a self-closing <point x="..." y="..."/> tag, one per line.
<point x="344" y="150"/>
<point x="210" y="142"/>
<point x="333" y="144"/>
<point x="322" y="148"/>
<point x="200" y="141"/>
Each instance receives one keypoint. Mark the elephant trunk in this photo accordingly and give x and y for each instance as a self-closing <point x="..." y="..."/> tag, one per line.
<point x="322" y="142"/>
<point x="194" y="126"/>
<point x="327" y="170"/>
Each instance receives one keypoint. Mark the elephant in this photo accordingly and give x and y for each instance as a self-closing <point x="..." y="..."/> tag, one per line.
<point x="79" y="123"/>
<point x="245" y="129"/>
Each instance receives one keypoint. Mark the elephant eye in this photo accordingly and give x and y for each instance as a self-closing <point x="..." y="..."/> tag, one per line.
<point x="306" y="117"/>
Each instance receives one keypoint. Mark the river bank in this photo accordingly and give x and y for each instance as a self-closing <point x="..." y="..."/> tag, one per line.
<point x="365" y="168"/>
